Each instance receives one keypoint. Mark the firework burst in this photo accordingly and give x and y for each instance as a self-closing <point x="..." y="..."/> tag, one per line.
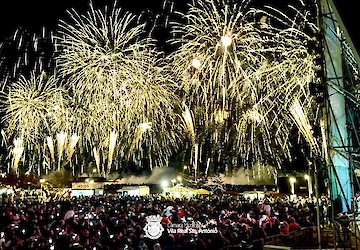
<point x="30" y="105"/>
<point x="119" y="82"/>
<point x="240" y="69"/>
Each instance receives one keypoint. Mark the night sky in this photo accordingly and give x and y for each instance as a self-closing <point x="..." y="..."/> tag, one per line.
<point x="33" y="14"/>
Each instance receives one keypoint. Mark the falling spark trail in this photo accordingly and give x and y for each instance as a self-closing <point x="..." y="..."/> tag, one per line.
<point x="17" y="153"/>
<point x="61" y="144"/>
<point x="301" y="119"/>
<point x="50" y="144"/>
<point x="112" y="144"/>
<point x="71" y="146"/>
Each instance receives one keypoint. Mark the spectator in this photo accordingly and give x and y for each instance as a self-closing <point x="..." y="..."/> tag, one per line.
<point x="284" y="228"/>
<point x="293" y="226"/>
<point x="116" y="222"/>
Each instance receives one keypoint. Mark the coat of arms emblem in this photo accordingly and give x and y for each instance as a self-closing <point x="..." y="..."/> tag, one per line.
<point x="153" y="229"/>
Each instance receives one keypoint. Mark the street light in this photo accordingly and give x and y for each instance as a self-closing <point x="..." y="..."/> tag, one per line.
<point x="309" y="184"/>
<point x="179" y="179"/>
<point x="173" y="181"/>
<point x="42" y="181"/>
<point x="292" y="183"/>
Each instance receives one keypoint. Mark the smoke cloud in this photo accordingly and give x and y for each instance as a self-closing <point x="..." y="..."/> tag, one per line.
<point x="156" y="177"/>
<point x="258" y="175"/>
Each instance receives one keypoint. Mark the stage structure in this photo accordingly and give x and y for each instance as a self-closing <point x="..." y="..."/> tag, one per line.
<point x="341" y="65"/>
<point x="340" y="108"/>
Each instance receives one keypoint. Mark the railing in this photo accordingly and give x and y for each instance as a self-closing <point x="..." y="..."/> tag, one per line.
<point x="305" y="237"/>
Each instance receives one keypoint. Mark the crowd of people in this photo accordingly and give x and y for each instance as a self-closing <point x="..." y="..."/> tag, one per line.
<point x="118" y="222"/>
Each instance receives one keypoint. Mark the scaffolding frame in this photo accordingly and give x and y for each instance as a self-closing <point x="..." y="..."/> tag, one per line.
<point x="336" y="85"/>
